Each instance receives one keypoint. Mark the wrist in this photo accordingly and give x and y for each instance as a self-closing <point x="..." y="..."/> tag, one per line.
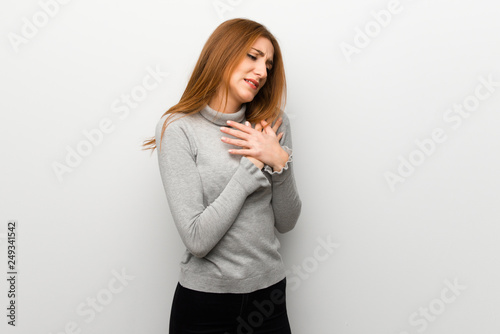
<point x="256" y="162"/>
<point x="281" y="160"/>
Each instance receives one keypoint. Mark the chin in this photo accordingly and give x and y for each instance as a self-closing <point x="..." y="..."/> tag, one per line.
<point x="245" y="99"/>
<point x="248" y="97"/>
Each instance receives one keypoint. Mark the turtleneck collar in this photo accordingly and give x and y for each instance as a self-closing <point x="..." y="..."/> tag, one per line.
<point x="220" y="118"/>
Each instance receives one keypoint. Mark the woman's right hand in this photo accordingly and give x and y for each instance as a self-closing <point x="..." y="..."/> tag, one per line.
<point x="268" y="140"/>
<point x="258" y="127"/>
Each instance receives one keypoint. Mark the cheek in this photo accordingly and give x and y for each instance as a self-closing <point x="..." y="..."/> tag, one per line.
<point x="235" y="80"/>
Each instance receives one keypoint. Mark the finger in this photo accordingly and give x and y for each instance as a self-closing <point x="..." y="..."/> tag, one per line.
<point x="258" y="127"/>
<point x="236" y="142"/>
<point x="280" y="136"/>
<point x="267" y="128"/>
<point x="240" y="151"/>
<point x="235" y="133"/>
<point x="264" y="125"/>
<point x="239" y="126"/>
<point x="277" y="124"/>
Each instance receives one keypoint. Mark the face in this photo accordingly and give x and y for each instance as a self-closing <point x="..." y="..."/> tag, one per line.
<point x="251" y="74"/>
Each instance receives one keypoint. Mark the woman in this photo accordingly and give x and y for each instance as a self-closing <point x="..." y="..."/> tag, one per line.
<point x="230" y="184"/>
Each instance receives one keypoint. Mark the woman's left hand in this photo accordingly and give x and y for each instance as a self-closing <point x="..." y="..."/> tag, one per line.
<point x="260" y="143"/>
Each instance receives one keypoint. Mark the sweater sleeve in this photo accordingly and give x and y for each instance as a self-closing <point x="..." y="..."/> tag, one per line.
<point x="200" y="226"/>
<point x="286" y="201"/>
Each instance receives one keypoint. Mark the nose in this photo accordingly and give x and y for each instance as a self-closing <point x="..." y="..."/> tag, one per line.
<point x="261" y="69"/>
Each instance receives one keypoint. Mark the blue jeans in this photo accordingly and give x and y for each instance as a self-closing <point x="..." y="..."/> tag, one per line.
<point x="257" y="312"/>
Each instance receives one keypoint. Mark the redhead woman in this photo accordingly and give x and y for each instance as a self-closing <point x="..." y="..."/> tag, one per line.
<point x="225" y="160"/>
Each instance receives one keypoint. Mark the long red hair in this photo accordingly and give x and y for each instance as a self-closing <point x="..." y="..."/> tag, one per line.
<point x="223" y="51"/>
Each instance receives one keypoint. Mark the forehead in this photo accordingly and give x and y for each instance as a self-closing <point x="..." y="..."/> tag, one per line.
<point x="265" y="46"/>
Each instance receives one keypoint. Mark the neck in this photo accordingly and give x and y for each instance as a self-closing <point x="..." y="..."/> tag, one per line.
<point x="217" y="103"/>
<point x="221" y="118"/>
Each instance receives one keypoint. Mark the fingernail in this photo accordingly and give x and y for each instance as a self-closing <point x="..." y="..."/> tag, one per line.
<point x="228" y="122"/>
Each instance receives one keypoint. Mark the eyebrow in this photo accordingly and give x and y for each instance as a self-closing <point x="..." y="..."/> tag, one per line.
<point x="269" y="61"/>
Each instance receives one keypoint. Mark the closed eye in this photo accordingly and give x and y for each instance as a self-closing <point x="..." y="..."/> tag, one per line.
<point x="251" y="56"/>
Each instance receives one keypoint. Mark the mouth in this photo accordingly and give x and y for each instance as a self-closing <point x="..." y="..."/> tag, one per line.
<point x="252" y="83"/>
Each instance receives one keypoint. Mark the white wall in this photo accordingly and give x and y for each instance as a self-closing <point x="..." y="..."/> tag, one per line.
<point x="356" y="115"/>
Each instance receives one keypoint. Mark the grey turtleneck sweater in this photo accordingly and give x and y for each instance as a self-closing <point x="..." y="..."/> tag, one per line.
<point x="225" y="208"/>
